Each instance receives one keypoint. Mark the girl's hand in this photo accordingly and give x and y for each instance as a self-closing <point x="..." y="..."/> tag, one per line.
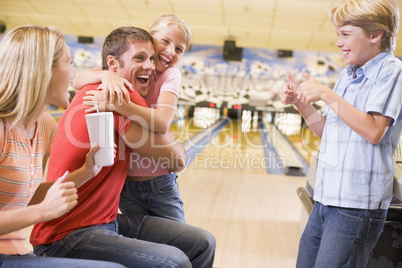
<point x="97" y="99"/>
<point x="60" y="198"/>
<point x="113" y="85"/>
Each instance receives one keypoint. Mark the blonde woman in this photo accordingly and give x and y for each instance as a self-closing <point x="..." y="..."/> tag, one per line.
<point x="35" y="71"/>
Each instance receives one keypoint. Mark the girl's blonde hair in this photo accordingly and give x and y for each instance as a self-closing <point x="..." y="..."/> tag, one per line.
<point x="169" y="20"/>
<point x="370" y="15"/>
<point x="27" y="55"/>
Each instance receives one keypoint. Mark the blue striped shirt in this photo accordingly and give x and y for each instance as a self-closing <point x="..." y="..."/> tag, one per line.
<point x="352" y="172"/>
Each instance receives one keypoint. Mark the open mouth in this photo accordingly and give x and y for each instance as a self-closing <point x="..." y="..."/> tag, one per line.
<point x="143" y="79"/>
<point x="164" y="60"/>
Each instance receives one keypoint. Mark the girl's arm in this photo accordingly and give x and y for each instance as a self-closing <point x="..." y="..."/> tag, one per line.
<point x="162" y="147"/>
<point x="111" y="84"/>
<point x="156" y="120"/>
<point x="87" y="77"/>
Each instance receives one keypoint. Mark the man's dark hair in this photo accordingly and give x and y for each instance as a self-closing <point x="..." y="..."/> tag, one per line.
<point x="117" y="41"/>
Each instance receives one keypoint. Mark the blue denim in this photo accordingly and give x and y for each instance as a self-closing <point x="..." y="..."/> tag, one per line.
<point x="33" y="261"/>
<point x="159" y="196"/>
<point x="137" y="242"/>
<point x="339" y="237"/>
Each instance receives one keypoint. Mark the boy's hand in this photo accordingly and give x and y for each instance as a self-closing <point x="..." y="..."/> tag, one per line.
<point x="311" y="90"/>
<point x="287" y="94"/>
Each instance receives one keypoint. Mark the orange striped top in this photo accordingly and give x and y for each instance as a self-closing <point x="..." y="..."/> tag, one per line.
<point x="21" y="172"/>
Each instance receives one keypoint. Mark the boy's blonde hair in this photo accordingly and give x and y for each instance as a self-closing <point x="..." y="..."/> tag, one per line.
<point x="370" y="15"/>
<point x="172" y="19"/>
<point x="27" y="54"/>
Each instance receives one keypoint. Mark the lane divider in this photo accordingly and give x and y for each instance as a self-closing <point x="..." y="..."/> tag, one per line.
<point x="296" y="152"/>
<point x="274" y="165"/>
<point x="177" y="120"/>
<point x="196" y="144"/>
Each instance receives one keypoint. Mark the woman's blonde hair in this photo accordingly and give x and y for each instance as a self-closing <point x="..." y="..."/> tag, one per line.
<point x="370" y="15"/>
<point x="169" y="20"/>
<point x="27" y="55"/>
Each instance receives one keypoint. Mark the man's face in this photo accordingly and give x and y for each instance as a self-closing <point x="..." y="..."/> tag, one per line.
<point x="138" y="65"/>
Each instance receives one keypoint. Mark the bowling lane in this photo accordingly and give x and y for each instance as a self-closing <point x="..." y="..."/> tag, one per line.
<point x="184" y="129"/>
<point x="298" y="134"/>
<point x="306" y="143"/>
<point x="237" y="147"/>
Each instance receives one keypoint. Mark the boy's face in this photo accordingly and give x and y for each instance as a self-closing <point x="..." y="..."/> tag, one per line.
<point x="138" y="65"/>
<point x="357" y="46"/>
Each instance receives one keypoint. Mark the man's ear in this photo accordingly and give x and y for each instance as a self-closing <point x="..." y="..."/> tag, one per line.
<point x="112" y="63"/>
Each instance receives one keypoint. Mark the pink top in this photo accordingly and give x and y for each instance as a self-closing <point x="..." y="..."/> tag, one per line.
<point x="167" y="81"/>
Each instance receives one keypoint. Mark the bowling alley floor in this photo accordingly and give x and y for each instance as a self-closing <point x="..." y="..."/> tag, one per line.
<point x="253" y="215"/>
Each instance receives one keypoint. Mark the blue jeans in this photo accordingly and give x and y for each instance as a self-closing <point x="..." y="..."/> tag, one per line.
<point x="137" y="242"/>
<point x="159" y="197"/>
<point x="33" y="261"/>
<point x="339" y="237"/>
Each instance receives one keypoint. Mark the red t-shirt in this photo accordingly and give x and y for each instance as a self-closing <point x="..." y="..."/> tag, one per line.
<point x="98" y="198"/>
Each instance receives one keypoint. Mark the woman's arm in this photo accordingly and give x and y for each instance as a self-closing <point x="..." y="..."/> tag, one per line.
<point x="59" y="199"/>
<point x="78" y="177"/>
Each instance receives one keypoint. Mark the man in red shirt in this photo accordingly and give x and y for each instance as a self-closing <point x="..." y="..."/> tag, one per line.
<point x="93" y="229"/>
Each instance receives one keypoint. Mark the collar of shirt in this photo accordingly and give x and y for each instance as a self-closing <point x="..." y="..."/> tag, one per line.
<point x="369" y="69"/>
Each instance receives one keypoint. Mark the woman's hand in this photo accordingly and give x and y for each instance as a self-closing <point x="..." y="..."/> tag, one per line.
<point x="60" y="198"/>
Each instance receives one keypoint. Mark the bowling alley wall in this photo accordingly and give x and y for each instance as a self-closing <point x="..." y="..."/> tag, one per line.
<point x="253" y="80"/>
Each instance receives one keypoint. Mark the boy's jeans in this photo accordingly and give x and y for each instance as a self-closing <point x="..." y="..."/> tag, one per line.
<point x="339" y="237"/>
